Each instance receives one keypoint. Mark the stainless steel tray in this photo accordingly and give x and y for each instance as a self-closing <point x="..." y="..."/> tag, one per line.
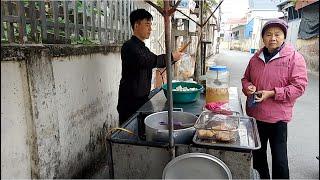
<point x="247" y="137"/>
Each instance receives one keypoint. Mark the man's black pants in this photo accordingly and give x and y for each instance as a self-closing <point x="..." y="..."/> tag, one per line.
<point x="277" y="135"/>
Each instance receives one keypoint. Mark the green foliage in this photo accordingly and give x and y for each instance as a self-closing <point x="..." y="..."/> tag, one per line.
<point x="79" y="5"/>
<point x="294" y="2"/>
<point x="83" y="40"/>
<point x="60" y="20"/>
<point x="28" y="28"/>
<point x="160" y="3"/>
<point x="208" y="4"/>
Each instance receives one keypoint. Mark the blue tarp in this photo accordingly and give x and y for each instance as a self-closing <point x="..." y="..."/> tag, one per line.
<point x="248" y="29"/>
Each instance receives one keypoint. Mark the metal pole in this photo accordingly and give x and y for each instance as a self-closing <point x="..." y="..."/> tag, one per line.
<point x="167" y="24"/>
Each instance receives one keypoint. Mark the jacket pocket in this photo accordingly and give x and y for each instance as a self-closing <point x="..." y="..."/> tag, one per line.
<point x="281" y="69"/>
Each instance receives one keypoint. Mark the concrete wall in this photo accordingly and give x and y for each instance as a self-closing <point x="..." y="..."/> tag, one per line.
<point x="57" y="103"/>
<point x="15" y="118"/>
<point x="292" y="33"/>
<point x="264" y="14"/>
<point x="309" y="48"/>
<point x="240" y="45"/>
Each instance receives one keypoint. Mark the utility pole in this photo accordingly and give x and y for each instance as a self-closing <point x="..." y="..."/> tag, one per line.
<point x="198" y="67"/>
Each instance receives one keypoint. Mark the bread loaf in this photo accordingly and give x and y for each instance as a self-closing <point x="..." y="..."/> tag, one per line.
<point x="202" y="133"/>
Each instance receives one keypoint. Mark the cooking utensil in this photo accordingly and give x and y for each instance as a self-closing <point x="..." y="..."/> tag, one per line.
<point x="217" y="81"/>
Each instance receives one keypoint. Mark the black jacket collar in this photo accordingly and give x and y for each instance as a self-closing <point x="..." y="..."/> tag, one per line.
<point x="137" y="40"/>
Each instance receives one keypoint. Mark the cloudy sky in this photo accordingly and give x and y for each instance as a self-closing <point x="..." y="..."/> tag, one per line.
<point x="234" y="8"/>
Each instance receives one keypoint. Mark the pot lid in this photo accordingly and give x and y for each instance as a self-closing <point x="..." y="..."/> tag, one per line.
<point x="218" y="68"/>
<point x="196" y="166"/>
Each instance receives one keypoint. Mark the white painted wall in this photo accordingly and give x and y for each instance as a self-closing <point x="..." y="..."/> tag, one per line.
<point x="61" y="119"/>
<point x="15" y="155"/>
<point x="86" y="96"/>
<point x="292" y="32"/>
<point x="264" y="14"/>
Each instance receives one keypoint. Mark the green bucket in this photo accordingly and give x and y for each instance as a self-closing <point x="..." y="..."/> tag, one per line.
<point x="184" y="96"/>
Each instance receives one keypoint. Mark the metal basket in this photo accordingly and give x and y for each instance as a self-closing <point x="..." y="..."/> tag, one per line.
<point x="218" y="127"/>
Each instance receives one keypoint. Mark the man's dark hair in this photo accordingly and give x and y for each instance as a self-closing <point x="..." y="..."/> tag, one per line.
<point x="138" y="15"/>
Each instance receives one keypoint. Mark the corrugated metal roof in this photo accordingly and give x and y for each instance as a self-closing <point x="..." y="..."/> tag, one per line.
<point x="263" y="4"/>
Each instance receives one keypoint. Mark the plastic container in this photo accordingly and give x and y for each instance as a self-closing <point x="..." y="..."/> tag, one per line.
<point x="217" y="84"/>
<point x="217" y="127"/>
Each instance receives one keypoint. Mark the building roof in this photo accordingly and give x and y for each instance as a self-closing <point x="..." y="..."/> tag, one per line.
<point x="303" y="3"/>
<point x="283" y="2"/>
<point x="263" y="4"/>
<point x="237" y="20"/>
<point x="241" y="26"/>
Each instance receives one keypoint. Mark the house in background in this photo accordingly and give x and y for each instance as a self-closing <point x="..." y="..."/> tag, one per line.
<point x="303" y="31"/>
<point x="238" y="40"/>
<point x="247" y="36"/>
<point x="228" y="39"/>
<point x="260" y="11"/>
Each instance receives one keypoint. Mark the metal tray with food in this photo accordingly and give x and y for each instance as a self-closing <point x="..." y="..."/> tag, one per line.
<point x="246" y="137"/>
<point x="219" y="127"/>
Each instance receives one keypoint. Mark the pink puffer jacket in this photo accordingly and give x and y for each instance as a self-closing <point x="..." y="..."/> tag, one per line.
<point x="285" y="73"/>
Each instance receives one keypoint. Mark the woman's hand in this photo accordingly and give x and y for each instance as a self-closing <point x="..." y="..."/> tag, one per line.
<point x="251" y="89"/>
<point x="263" y="95"/>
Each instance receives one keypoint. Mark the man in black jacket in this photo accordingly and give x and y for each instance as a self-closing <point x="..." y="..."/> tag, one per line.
<point x="137" y="64"/>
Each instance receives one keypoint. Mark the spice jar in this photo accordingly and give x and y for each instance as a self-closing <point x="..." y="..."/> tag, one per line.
<point x="217" y="84"/>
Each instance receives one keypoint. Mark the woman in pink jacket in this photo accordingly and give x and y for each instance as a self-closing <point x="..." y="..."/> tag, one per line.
<point x="274" y="78"/>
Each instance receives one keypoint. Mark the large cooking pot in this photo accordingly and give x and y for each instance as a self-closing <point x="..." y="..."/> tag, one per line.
<point x="156" y="125"/>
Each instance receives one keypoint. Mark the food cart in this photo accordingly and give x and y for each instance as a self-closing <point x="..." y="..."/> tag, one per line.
<point x="131" y="156"/>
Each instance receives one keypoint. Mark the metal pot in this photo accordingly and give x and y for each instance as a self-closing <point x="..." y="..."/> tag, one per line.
<point x="157" y="128"/>
<point x="196" y="166"/>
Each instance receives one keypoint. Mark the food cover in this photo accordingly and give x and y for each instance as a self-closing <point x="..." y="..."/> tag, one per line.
<point x="218" y="127"/>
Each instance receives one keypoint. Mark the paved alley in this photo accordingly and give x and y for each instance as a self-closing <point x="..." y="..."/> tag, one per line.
<point x="303" y="130"/>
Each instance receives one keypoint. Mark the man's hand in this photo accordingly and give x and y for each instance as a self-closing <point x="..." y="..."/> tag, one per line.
<point x="251" y="89"/>
<point x="263" y="95"/>
<point x="177" y="55"/>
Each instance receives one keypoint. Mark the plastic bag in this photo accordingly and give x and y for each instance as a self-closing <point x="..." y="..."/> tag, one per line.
<point x="219" y="108"/>
<point x="185" y="67"/>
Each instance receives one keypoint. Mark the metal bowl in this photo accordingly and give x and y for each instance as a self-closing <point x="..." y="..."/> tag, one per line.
<point x="196" y="166"/>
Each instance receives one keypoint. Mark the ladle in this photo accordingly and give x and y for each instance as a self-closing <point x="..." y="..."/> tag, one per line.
<point x="217" y="81"/>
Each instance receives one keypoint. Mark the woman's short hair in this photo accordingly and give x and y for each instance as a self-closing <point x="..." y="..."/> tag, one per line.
<point x="138" y="15"/>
